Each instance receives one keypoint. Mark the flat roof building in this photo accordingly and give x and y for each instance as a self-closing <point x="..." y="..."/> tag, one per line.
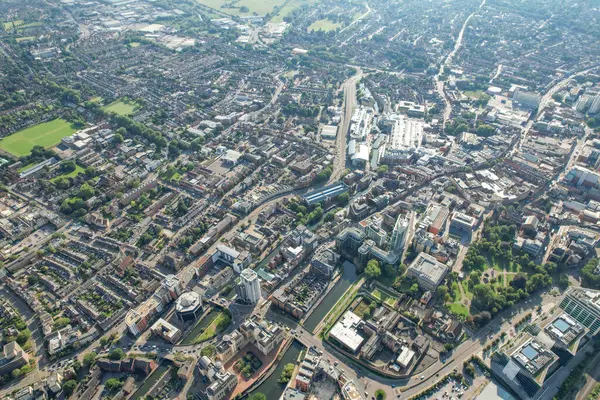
<point x="428" y="271"/>
<point x="188" y="306"/>
<point x="462" y="223"/>
<point x="405" y="357"/>
<point x="329" y="132"/>
<point x="165" y="330"/>
<point x="345" y="332"/>
<point x="565" y="329"/>
<point x="583" y="305"/>
<point x="534" y="357"/>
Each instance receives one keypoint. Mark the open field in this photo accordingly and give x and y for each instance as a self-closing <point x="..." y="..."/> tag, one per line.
<point x="324" y="25"/>
<point x="47" y="134"/>
<point x="258" y="7"/>
<point x="474" y="94"/>
<point x="458" y="309"/>
<point x="122" y="107"/>
<point x="78" y="170"/>
<point x="290" y="7"/>
<point x="12" y="24"/>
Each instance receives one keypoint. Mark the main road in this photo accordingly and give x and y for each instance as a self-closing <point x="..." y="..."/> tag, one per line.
<point x="439" y="85"/>
<point x="368" y="382"/>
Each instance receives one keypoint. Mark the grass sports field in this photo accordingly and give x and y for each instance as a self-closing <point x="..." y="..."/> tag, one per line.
<point x="324" y="25"/>
<point x="260" y="7"/>
<point x="122" y="107"/>
<point x="47" y="134"/>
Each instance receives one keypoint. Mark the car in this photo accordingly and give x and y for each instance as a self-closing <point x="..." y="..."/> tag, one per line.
<point x="422" y="377"/>
<point x="335" y="364"/>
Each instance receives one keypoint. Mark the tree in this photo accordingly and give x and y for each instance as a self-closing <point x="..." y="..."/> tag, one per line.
<point x="372" y="270"/>
<point x="389" y="270"/>
<point x="380" y="394"/>
<point x="382" y="170"/>
<point x="86" y="191"/>
<point x="441" y="292"/>
<point x="116" y="354"/>
<point x="67" y="166"/>
<point x="588" y="274"/>
<point x="89" y="359"/>
<point x="113" y="384"/>
<point x="69" y="387"/>
<point x="257" y="396"/>
<point x="482" y="318"/>
<point x="519" y="281"/>
<point x="208" y="351"/>
<point x="23" y="337"/>
<point x="286" y="374"/>
<point x="343" y="198"/>
<point x="563" y="281"/>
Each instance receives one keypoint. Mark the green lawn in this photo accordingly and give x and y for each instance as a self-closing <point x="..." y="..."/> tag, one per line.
<point x="260" y="7"/>
<point x="324" y="25"/>
<point x="78" y="170"/>
<point x="47" y="134"/>
<point x="26" y="167"/>
<point x="290" y="7"/>
<point x="381" y="295"/>
<point x="465" y="285"/>
<point x="361" y="308"/>
<point x="122" y="107"/>
<point x="459" y="309"/>
<point x="213" y="329"/>
<point x="10" y="24"/>
<point x="474" y="94"/>
<point x="456" y="292"/>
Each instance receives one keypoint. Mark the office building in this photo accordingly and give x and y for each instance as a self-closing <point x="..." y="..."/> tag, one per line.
<point x="13" y="357"/>
<point x="428" y="271"/>
<point x="165" y="330"/>
<point x="583" y="305"/>
<point x="248" y="288"/>
<point x="462" y="224"/>
<point x="221" y="382"/>
<point x="188" y="306"/>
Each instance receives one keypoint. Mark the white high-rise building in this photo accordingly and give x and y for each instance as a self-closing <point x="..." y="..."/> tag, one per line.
<point x="249" y="286"/>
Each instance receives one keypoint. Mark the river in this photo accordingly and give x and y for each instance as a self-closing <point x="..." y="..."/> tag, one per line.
<point x="271" y="387"/>
<point x="348" y="278"/>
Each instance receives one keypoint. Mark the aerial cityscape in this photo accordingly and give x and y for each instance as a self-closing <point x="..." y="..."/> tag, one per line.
<point x="299" y="199"/>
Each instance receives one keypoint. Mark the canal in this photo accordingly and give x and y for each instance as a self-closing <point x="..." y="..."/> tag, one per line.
<point x="271" y="387"/>
<point x="348" y="278"/>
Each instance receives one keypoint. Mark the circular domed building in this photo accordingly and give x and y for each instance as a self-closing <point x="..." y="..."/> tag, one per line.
<point x="189" y="306"/>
